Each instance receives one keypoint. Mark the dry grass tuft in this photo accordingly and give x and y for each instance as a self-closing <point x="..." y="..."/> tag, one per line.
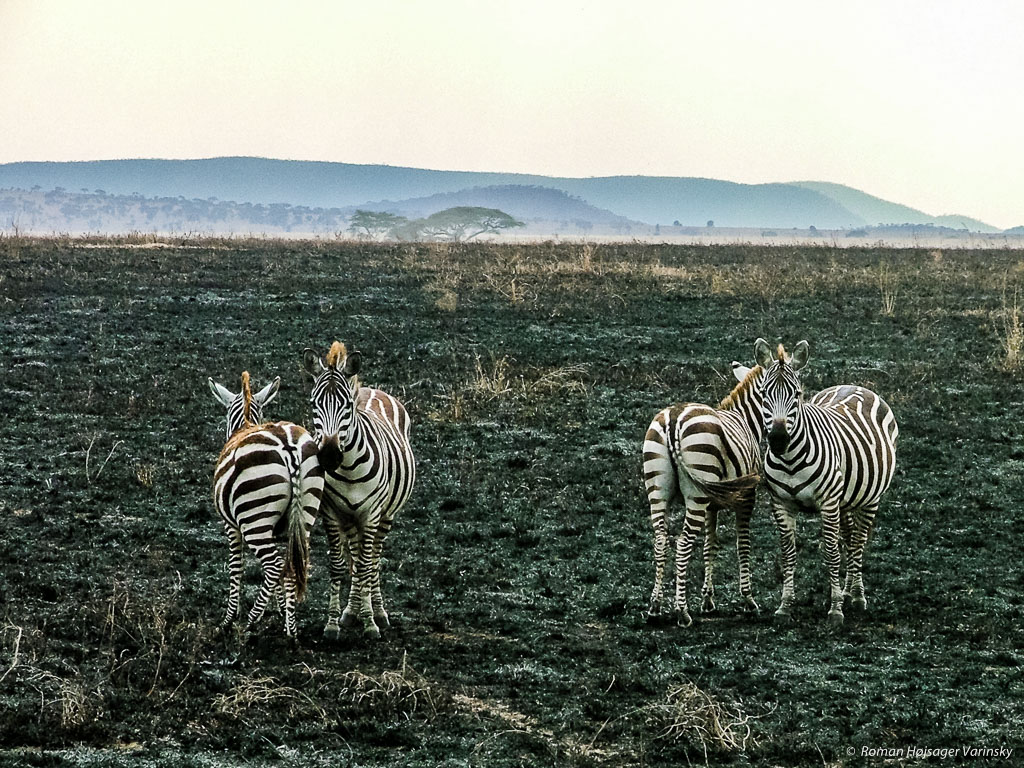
<point x="490" y="384"/>
<point x="888" y="285"/>
<point x="262" y="690"/>
<point x="566" y="378"/>
<point x="447" y="301"/>
<point x="401" y="691"/>
<point x="67" y="695"/>
<point x="1013" y="334"/>
<point x="691" y="715"/>
<point x="496" y="382"/>
<point x="144" y="475"/>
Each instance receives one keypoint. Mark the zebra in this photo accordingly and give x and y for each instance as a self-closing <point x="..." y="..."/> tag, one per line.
<point x="363" y="437"/>
<point x="712" y="457"/>
<point x="267" y="486"/>
<point x="836" y="454"/>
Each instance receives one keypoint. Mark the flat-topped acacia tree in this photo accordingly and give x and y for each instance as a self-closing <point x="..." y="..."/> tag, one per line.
<point x="457" y="224"/>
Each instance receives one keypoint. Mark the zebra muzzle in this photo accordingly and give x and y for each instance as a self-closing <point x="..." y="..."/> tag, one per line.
<point x="330" y="452"/>
<point x="778" y="437"/>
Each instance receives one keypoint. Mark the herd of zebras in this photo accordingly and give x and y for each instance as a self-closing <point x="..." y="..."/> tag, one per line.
<point x="834" y="453"/>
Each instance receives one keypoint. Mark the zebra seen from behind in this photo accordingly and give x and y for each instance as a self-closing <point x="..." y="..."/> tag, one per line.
<point x="834" y="454"/>
<point x="709" y="457"/>
<point x="363" y="437"/>
<point x="267" y="487"/>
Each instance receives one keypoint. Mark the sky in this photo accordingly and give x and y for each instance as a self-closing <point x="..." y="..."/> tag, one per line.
<point x="919" y="103"/>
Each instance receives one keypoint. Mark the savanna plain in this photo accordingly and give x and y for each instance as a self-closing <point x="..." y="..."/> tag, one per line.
<point x="518" y="575"/>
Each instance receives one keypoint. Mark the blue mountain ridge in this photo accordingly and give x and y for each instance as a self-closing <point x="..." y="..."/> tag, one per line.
<point x="650" y="199"/>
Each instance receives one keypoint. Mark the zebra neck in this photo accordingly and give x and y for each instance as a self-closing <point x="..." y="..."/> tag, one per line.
<point x="749" y="407"/>
<point x="798" y="436"/>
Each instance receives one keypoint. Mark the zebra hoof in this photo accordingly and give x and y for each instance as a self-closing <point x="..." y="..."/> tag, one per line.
<point x="750" y="605"/>
<point x="383" y="620"/>
<point x="683" y="619"/>
<point x="859" y="603"/>
<point x="331" y="632"/>
<point x="835" y="620"/>
<point x="371" y="631"/>
<point x="348" y="618"/>
<point x="783" y="617"/>
<point x="708" y="606"/>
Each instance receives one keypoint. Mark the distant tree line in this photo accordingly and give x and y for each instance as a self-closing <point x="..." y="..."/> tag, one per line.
<point x="59" y="210"/>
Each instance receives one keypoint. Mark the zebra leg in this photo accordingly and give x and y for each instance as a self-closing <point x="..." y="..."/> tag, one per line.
<point x="847" y="521"/>
<point x="236" y="547"/>
<point x="692" y="525"/>
<point x="360" y="598"/>
<point x="277" y="600"/>
<point x="744" y="511"/>
<point x="273" y="567"/>
<point x="286" y="592"/>
<point x="660" y="481"/>
<point x="353" y="545"/>
<point x="787" y="538"/>
<point x="338" y="566"/>
<point x="380" y="615"/>
<point x="659" y="522"/>
<point x="863" y="521"/>
<point x="830" y="532"/>
<point x="711" y="547"/>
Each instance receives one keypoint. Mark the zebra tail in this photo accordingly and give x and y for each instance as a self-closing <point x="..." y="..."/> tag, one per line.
<point x="726" y="493"/>
<point x="296" y="561"/>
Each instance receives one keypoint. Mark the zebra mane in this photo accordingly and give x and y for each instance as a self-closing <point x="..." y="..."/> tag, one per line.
<point x="733" y="398"/>
<point x="336" y="354"/>
<point x="246" y="400"/>
<point x="782" y="354"/>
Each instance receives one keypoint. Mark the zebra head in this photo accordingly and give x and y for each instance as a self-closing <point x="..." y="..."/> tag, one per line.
<point x="782" y="393"/>
<point x="245" y="408"/>
<point x="333" y="398"/>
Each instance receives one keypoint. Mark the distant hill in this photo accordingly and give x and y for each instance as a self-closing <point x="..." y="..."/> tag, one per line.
<point x="874" y="211"/>
<point x="527" y="203"/>
<point x="329" y="186"/>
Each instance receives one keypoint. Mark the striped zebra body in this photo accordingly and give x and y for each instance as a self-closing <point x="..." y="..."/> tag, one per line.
<point x="710" y="457"/>
<point x="363" y="435"/>
<point x="834" y="454"/>
<point x="267" y="486"/>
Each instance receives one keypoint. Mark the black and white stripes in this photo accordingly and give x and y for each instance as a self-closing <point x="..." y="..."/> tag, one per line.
<point x="709" y="457"/>
<point x="835" y="454"/>
<point x="267" y="487"/>
<point x="363" y="436"/>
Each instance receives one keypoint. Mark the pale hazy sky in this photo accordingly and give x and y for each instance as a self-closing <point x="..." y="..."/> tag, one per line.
<point x="921" y="103"/>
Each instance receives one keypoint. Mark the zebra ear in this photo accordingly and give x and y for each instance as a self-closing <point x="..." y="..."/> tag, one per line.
<point x="353" y="363"/>
<point x="269" y="392"/>
<point x="312" y="363"/>
<point x="739" y="370"/>
<point x="800" y="355"/>
<point x="223" y="394"/>
<point x="762" y="353"/>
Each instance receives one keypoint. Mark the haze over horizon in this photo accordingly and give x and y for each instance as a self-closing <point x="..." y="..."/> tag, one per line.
<point x="914" y="103"/>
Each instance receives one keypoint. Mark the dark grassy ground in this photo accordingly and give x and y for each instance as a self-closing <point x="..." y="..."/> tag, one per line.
<point x="519" y="573"/>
